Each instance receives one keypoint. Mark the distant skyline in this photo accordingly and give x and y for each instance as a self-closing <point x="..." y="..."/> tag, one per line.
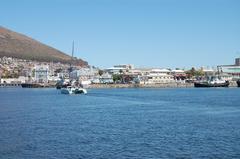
<point x="146" y="33"/>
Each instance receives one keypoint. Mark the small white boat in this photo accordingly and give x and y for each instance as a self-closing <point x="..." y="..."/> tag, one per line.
<point x="73" y="90"/>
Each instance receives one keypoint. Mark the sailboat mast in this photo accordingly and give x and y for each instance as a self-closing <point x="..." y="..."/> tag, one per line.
<point x="71" y="62"/>
<point x="72" y="53"/>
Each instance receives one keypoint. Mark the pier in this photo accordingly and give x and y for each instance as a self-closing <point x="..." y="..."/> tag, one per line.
<point x="10" y="85"/>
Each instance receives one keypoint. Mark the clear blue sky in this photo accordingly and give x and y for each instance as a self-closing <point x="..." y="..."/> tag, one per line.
<point x="157" y="33"/>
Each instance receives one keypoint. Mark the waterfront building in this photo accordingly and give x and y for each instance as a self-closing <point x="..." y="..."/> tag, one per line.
<point x="118" y="69"/>
<point x="157" y="76"/>
<point x="9" y="80"/>
<point x="125" y="66"/>
<point x="27" y="72"/>
<point x="106" y="78"/>
<point x="19" y="80"/>
<point x="136" y="72"/>
<point x="41" y="73"/>
<point x="83" y="74"/>
<point x="95" y="80"/>
<point x="208" y="71"/>
<point x="179" y="75"/>
<point x="53" y="78"/>
<point x="230" y="70"/>
<point x="226" y="77"/>
<point x="63" y="75"/>
<point x="160" y="71"/>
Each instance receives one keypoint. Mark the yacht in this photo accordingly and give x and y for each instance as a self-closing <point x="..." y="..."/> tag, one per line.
<point x="71" y="87"/>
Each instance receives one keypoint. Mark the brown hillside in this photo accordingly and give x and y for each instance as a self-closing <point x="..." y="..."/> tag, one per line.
<point x="16" y="45"/>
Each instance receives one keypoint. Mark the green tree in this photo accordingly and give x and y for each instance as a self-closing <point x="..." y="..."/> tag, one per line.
<point x="194" y="73"/>
<point x="121" y="71"/>
<point x="190" y="73"/>
<point x="116" y="78"/>
<point x="100" y="72"/>
<point x="199" y="73"/>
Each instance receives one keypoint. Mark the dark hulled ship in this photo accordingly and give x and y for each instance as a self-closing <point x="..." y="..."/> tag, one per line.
<point x="212" y="82"/>
<point x="238" y="83"/>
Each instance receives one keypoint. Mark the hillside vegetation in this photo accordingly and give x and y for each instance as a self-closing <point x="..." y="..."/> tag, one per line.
<point x="17" y="45"/>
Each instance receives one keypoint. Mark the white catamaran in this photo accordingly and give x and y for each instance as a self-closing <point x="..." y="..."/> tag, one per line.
<point x="73" y="89"/>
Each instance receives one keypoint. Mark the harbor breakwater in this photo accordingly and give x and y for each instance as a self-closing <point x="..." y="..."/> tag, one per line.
<point x="160" y="85"/>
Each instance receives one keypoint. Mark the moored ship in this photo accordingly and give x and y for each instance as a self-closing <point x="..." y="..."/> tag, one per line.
<point x="238" y="83"/>
<point x="62" y="84"/>
<point x="72" y="86"/>
<point x="31" y="85"/>
<point x="213" y="82"/>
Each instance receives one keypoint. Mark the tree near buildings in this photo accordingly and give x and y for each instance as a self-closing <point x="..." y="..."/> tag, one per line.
<point x="116" y="78"/>
<point x="190" y="73"/>
<point x="121" y="71"/>
<point x="199" y="73"/>
<point x="100" y="72"/>
<point x="194" y="73"/>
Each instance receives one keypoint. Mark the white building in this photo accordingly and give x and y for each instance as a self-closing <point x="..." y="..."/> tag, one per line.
<point x="157" y="76"/>
<point x="41" y="73"/>
<point x="20" y="79"/>
<point x="117" y="69"/>
<point x="83" y="74"/>
<point x="208" y="71"/>
<point x="106" y="78"/>
<point x="53" y="78"/>
<point x="230" y="70"/>
<point x="179" y="75"/>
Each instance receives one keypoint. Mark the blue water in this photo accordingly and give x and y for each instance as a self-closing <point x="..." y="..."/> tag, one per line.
<point x="120" y="123"/>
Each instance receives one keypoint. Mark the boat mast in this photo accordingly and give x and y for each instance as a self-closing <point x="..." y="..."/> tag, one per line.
<point x="71" y="62"/>
<point x="72" y="49"/>
<point x="72" y="55"/>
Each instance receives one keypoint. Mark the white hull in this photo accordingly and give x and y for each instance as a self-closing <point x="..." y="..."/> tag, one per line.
<point x="73" y="90"/>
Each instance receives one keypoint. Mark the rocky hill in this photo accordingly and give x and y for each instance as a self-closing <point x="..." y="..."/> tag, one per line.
<point x="17" y="45"/>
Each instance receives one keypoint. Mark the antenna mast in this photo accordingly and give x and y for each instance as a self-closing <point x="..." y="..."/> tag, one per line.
<point x="72" y="49"/>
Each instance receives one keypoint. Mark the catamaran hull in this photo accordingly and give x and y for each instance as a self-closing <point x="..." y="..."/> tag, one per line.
<point x="75" y="91"/>
<point x="80" y="92"/>
<point x="64" y="91"/>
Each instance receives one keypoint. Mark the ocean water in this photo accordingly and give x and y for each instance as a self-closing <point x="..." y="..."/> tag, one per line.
<point x="120" y="123"/>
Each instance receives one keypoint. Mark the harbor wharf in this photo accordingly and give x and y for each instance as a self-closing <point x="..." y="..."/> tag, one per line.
<point x="10" y="85"/>
<point x="162" y="85"/>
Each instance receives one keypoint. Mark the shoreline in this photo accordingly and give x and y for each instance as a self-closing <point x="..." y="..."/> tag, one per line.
<point x="163" y="85"/>
<point x="99" y="86"/>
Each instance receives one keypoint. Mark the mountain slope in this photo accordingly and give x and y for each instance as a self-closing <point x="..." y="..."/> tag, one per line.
<point x="17" y="45"/>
